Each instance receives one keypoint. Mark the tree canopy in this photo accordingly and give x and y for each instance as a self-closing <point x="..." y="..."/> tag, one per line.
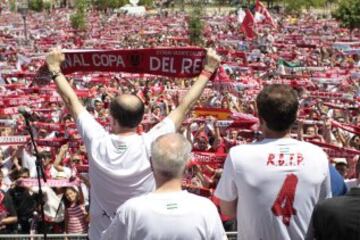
<point x="348" y="13"/>
<point x="196" y="25"/>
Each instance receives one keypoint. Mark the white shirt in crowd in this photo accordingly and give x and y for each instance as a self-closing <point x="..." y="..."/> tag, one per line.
<point x="54" y="208"/>
<point x="277" y="183"/>
<point x="66" y="173"/>
<point x="119" y="168"/>
<point x="166" y="216"/>
<point x="7" y="165"/>
<point x="28" y="160"/>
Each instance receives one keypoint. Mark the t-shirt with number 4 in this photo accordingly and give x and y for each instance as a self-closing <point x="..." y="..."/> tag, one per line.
<point x="277" y="183"/>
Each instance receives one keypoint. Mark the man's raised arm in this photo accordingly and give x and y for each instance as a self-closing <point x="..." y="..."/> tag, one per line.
<point x="212" y="62"/>
<point x="72" y="102"/>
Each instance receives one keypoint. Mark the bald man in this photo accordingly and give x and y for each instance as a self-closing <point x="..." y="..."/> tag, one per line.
<point x="119" y="166"/>
<point x="165" y="213"/>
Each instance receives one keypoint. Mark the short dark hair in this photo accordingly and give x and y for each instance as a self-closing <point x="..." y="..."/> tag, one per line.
<point x="126" y="115"/>
<point x="45" y="154"/>
<point x="277" y="105"/>
<point x="16" y="174"/>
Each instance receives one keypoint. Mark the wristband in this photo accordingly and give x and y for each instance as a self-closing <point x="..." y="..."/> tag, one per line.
<point x="206" y="73"/>
<point x="54" y="74"/>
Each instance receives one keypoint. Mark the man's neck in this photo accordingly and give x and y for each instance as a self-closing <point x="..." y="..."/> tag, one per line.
<point x="275" y="135"/>
<point x="173" y="185"/>
<point x="126" y="131"/>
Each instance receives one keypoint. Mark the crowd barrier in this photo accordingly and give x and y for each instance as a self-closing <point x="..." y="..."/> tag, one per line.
<point x="231" y="236"/>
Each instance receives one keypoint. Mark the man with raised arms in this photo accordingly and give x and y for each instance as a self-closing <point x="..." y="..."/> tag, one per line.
<point x="119" y="165"/>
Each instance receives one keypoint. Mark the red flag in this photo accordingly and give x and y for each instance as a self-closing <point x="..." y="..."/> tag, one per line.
<point x="260" y="8"/>
<point x="248" y="25"/>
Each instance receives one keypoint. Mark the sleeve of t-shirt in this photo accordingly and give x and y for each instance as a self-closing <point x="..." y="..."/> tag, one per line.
<point x="89" y="128"/>
<point x="33" y="172"/>
<point x="163" y="127"/>
<point x="27" y="160"/>
<point x="118" y="228"/>
<point x="338" y="186"/>
<point x="325" y="191"/>
<point x="216" y="227"/>
<point x="226" y="189"/>
<point x="8" y="164"/>
<point x="326" y="188"/>
<point x="67" y="172"/>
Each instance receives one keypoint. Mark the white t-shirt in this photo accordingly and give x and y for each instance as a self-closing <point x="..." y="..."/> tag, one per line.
<point x="54" y="208"/>
<point x="28" y="160"/>
<point x="53" y="172"/>
<point x="6" y="169"/>
<point x="277" y="183"/>
<point x="119" y="167"/>
<point x="166" y="216"/>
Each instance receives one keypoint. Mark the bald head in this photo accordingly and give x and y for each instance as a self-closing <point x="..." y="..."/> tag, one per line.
<point x="169" y="155"/>
<point x="127" y="110"/>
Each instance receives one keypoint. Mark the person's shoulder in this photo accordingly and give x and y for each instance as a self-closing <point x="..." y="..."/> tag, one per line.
<point x="197" y="201"/>
<point x="242" y="148"/>
<point x="164" y="122"/>
<point x="84" y="115"/>
<point x="311" y="147"/>
<point x="307" y="146"/>
<point x="134" y="203"/>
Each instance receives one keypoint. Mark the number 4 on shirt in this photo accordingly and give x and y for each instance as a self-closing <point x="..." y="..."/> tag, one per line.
<point x="283" y="205"/>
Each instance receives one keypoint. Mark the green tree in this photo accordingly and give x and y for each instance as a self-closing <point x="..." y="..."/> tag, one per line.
<point x="12" y="5"/>
<point x="78" y="19"/>
<point x="196" y="24"/>
<point x="348" y="13"/>
<point x="36" y="5"/>
<point x="298" y="5"/>
<point x="47" y="6"/>
<point x="81" y="5"/>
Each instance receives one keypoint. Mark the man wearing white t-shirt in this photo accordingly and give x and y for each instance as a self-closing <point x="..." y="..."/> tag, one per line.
<point x="119" y="166"/>
<point x="169" y="212"/>
<point x="272" y="186"/>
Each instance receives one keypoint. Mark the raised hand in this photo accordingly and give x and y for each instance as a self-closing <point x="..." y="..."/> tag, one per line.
<point x="212" y="60"/>
<point x="54" y="60"/>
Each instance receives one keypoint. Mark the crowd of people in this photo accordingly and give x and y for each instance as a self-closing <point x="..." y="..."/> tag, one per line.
<point x="310" y="53"/>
